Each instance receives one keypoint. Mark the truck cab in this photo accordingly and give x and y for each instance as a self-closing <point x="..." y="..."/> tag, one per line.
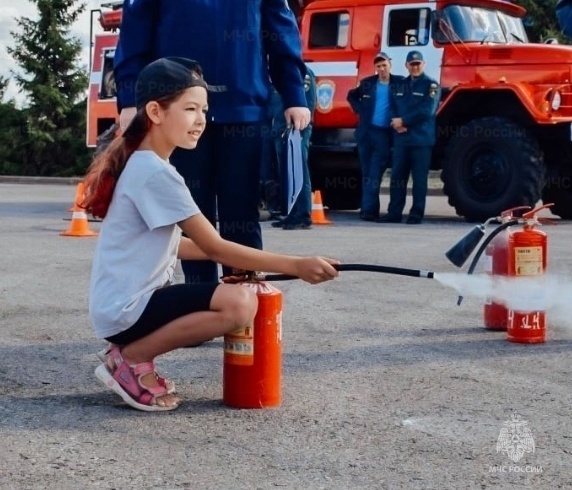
<point x="503" y="122"/>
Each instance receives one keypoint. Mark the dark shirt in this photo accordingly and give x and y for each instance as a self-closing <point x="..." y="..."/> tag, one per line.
<point x="240" y="46"/>
<point x="415" y="101"/>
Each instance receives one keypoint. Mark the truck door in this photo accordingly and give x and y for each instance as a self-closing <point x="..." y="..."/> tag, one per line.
<point x="407" y="27"/>
<point x="328" y="52"/>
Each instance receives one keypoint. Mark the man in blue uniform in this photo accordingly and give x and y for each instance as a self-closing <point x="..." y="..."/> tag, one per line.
<point x="370" y="100"/>
<point x="413" y="106"/>
<point x="240" y="50"/>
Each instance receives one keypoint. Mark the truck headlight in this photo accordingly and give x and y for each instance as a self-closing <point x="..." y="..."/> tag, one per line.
<point x="556" y="100"/>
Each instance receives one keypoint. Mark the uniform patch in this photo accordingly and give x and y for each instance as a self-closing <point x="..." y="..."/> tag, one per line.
<point x="325" y="90"/>
<point x="433" y="89"/>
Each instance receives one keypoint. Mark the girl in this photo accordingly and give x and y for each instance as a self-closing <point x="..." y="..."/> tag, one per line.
<point x="145" y="205"/>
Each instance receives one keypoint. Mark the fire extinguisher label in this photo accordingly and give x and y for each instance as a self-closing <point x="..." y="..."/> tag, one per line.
<point x="528" y="261"/>
<point x="239" y="346"/>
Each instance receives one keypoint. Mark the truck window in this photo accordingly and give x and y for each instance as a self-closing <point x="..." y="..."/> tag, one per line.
<point x="107" y="79"/>
<point x="476" y="24"/>
<point x="329" y="30"/>
<point x="409" y="27"/>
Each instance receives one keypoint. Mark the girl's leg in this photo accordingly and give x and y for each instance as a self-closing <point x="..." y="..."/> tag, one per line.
<point x="232" y="307"/>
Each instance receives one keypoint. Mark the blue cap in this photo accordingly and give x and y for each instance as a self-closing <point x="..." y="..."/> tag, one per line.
<point x="414" y="56"/>
<point x="381" y="56"/>
<point x="166" y="76"/>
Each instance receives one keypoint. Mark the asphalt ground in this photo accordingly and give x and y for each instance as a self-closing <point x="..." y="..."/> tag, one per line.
<point x="387" y="383"/>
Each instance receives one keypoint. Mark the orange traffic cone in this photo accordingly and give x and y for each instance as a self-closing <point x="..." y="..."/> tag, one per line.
<point x="318" y="216"/>
<point x="79" y="225"/>
<point x="78" y="197"/>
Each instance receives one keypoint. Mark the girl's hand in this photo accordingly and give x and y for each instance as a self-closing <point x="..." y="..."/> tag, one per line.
<point x="316" y="269"/>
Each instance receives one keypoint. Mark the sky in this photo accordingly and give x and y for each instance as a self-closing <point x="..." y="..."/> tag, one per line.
<point x="10" y="10"/>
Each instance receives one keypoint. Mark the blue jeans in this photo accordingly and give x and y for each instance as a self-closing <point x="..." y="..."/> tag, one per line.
<point x="414" y="161"/>
<point x="301" y="212"/>
<point x="223" y="175"/>
<point x="374" y="151"/>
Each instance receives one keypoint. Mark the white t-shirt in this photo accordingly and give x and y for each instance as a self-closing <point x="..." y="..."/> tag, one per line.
<point x="136" y="251"/>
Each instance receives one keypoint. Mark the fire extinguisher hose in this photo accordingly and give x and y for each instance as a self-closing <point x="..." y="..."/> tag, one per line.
<point x="363" y="268"/>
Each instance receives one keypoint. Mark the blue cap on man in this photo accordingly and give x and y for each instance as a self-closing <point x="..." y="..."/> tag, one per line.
<point x="414" y="56"/>
<point x="381" y="56"/>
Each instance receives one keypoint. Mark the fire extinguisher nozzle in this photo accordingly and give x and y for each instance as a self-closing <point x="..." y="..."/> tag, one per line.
<point x="461" y="251"/>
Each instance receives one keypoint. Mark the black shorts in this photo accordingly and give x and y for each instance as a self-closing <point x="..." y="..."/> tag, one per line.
<point x="165" y="305"/>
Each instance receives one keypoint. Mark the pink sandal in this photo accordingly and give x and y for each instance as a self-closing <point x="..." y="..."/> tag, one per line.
<point x="125" y="380"/>
<point x="167" y="383"/>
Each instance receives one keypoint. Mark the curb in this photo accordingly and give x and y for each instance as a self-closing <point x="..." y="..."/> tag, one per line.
<point x="22" y="179"/>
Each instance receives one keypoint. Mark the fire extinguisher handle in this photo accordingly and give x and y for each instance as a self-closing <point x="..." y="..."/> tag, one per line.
<point x="363" y="268"/>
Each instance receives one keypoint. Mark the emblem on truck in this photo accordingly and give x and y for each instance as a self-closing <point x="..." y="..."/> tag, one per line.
<point x="325" y="90"/>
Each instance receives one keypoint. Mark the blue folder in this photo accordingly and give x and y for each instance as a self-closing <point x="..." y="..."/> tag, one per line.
<point x="292" y="171"/>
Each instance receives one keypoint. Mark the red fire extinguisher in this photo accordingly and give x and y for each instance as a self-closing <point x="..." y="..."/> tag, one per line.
<point x="527" y="257"/>
<point x="252" y="369"/>
<point x="495" y="315"/>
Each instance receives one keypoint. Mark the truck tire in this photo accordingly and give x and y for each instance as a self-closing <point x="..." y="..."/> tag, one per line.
<point x="558" y="190"/>
<point x="490" y="165"/>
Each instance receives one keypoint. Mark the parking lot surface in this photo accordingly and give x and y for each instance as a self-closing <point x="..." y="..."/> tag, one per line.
<point x="387" y="383"/>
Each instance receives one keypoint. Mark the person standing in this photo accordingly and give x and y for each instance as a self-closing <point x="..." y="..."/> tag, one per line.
<point x="300" y="216"/>
<point x="413" y="106"/>
<point x="370" y="100"/>
<point x="240" y="50"/>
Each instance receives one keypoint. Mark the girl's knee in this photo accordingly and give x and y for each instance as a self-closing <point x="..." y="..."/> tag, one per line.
<point x="244" y="306"/>
<point x="238" y="304"/>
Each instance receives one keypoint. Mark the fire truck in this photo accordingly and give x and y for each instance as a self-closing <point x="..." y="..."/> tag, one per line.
<point x="504" y="121"/>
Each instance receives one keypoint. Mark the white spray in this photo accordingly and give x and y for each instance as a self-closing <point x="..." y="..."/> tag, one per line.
<point x="549" y="293"/>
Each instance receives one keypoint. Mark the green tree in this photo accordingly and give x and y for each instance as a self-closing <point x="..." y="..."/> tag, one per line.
<point x="3" y="87"/>
<point x="540" y="21"/>
<point x="55" y="84"/>
<point x="13" y="123"/>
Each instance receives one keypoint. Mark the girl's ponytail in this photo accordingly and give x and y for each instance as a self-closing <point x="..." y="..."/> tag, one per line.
<point x="106" y="167"/>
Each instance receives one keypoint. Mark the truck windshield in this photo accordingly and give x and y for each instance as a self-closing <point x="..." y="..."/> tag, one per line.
<point x="476" y="24"/>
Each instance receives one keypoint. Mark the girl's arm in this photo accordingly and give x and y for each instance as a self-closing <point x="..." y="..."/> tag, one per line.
<point x="188" y="250"/>
<point x="206" y="238"/>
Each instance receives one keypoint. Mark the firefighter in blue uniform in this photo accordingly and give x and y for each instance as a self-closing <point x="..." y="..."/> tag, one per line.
<point x="413" y="106"/>
<point x="370" y="100"/>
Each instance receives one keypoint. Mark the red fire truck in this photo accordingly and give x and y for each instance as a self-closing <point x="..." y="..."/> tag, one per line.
<point x="504" y="122"/>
